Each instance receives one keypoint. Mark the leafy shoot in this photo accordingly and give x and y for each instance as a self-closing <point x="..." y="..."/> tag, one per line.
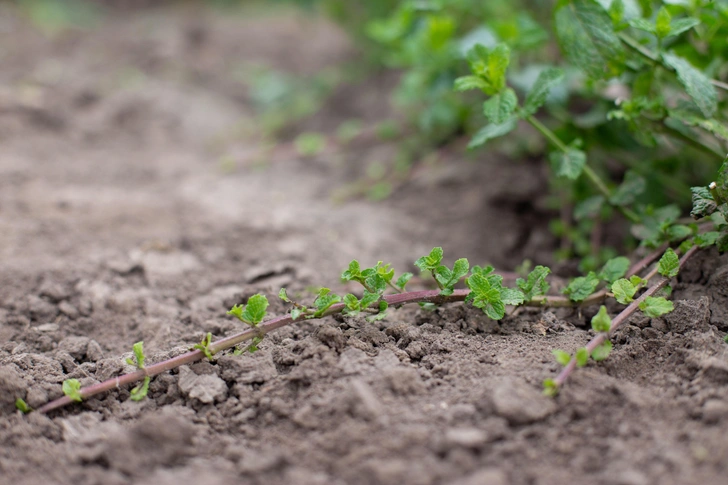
<point x="72" y="389"/>
<point x="204" y="346"/>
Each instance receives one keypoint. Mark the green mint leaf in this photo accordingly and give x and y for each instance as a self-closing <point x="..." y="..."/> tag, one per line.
<point x="654" y="307"/>
<point x="499" y="108"/>
<point x="385" y="271"/>
<point x="237" y="312"/>
<point x="255" y="310"/>
<point x="636" y="280"/>
<point x="72" y="389"/>
<point x="22" y="406"/>
<point x="696" y="84"/>
<point x="324" y="301"/>
<point x="204" y="346"/>
<point x="703" y="202"/>
<point x="490" y="131"/>
<point x="662" y="23"/>
<point x="616" y="12"/>
<point x="669" y="264"/>
<point x="138" y="349"/>
<point x="140" y="392"/>
<point x="568" y="164"/>
<point x="352" y="304"/>
<point x="283" y="295"/>
<point x="376" y="283"/>
<point x="562" y="357"/>
<point x="535" y="283"/>
<point x="498" y="60"/>
<point x="582" y="357"/>
<point x="466" y="83"/>
<point x="707" y="239"/>
<point x="642" y="24"/>
<point x="486" y="296"/>
<point x="614" y="269"/>
<point x="431" y="261"/>
<point x="678" y="232"/>
<point x="601" y="321"/>
<point x="403" y="280"/>
<point x="686" y="245"/>
<point x="368" y="299"/>
<point x="547" y="79"/>
<point x="511" y="296"/>
<point x="602" y="351"/>
<point x="353" y="273"/>
<point x="550" y="388"/>
<point x="296" y="312"/>
<point x="585" y="33"/>
<point x="632" y="186"/>
<point x="581" y="287"/>
<point x="623" y="291"/>
<point x="682" y="25"/>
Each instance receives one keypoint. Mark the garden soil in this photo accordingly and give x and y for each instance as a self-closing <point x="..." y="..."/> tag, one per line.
<point x="139" y="202"/>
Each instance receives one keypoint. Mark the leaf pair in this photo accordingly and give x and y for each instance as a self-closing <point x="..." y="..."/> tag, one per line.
<point x="445" y="277"/>
<point x="489" y="294"/>
<point x="253" y="313"/>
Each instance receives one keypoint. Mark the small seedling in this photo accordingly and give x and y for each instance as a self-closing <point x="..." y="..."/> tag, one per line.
<point x="139" y="392"/>
<point x="22" y="406"/>
<point x="204" y="345"/>
<point x="72" y="389"/>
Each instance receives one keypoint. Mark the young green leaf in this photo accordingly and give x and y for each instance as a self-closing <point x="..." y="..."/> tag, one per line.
<point x="511" y="296"/>
<point x="682" y="25"/>
<point x="547" y="79"/>
<point x="568" y="164"/>
<point x="403" y="280"/>
<point x="707" y="239"/>
<point x="431" y="261"/>
<point x="140" y="392"/>
<point x="324" y="301"/>
<point x="614" y="269"/>
<point x="601" y="321"/>
<point x="498" y="60"/>
<point x="662" y="23"/>
<point x="623" y="291"/>
<point x="550" y="388"/>
<point x="22" y="406"/>
<point x="254" y="312"/>
<point x="499" y="108"/>
<point x="138" y="349"/>
<point x="602" y="351"/>
<point x="696" y="84"/>
<point x="585" y="33"/>
<point x="283" y="295"/>
<point x="368" y="299"/>
<point x="490" y="131"/>
<point x="353" y="273"/>
<point x="486" y="296"/>
<point x="678" y="232"/>
<point x="447" y="279"/>
<point x="466" y="83"/>
<point x="297" y="312"/>
<point x="535" y="284"/>
<point x="204" y="346"/>
<point x="669" y="264"/>
<point x="562" y="357"/>
<point x="655" y="306"/>
<point x="72" y="389"/>
<point x="636" y="280"/>
<point x="582" y="357"/>
<point x="581" y="287"/>
<point x="352" y="304"/>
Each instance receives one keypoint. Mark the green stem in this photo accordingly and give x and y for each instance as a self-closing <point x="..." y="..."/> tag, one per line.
<point x="590" y="174"/>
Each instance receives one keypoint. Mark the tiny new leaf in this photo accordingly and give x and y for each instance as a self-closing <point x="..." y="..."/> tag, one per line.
<point x="431" y="261"/>
<point x="140" y="392"/>
<point x="535" y="284"/>
<point x="669" y="264"/>
<point x="562" y="357"/>
<point x="547" y="79"/>
<point x="568" y="164"/>
<point x="623" y="291"/>
<point x="22" y="406"/>
<point x="601" y="321"/>
<point x="614" y="269"/>
<point x="72" y="389"/>
<point x="656" y="306"/>
<point x="403" y="280"/>
<point x="582" y="357"/>
<point x="324" y="301"/>
<point x="499" y="107"/>
<point x="138" y="349"/>
<point x="204" y="346"/>
<point x="283" y="295"/>
<point x="490" y="131"/>
<point x="602" y="351"/>
<point x="581" y="287"/>
<point x="550" y="388"/>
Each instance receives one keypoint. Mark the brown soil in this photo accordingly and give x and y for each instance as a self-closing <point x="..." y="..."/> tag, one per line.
<point x="118" y="223"/>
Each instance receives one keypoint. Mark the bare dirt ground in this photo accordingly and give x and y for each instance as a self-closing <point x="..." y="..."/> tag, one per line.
<point x="119" y="223"/>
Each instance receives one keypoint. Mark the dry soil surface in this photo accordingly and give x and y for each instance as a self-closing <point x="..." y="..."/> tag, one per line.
<point x="119" y="223"/>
